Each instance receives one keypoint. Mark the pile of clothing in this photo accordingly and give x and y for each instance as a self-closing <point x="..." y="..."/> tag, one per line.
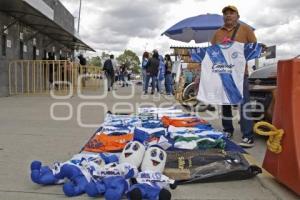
<point x="127" y="156"/>
<point x="168" y="127"/>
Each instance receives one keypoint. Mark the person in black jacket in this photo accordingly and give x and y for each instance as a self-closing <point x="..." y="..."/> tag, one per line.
<point x="152" y="68"/>
<point x="109" y="72"/>
<point x="82" y="69"/>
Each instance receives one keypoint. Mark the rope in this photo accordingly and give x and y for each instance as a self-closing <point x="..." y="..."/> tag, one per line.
<point x="275" y="135"/>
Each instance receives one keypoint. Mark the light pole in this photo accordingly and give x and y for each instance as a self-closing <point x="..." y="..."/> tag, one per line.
<point x="79" y="17"/>
<point x="146" y="45"/>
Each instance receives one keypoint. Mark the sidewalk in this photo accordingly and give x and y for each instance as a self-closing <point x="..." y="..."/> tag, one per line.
<point x="27" y="132"/>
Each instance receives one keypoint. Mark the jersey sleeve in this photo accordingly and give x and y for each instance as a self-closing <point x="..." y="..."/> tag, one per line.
<point x="144" y="63"/>
<point x="252" y="50"/>
<point x="198" y="54"/>
<point x="128" y="171"/>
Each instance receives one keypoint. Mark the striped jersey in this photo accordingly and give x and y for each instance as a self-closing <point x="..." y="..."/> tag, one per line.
<point x="222" y="71"/>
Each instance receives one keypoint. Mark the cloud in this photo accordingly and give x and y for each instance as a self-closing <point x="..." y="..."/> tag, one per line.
<point x="288" y="6"/>
<point x="115" y="25"/>
<point x="277" y="22"/>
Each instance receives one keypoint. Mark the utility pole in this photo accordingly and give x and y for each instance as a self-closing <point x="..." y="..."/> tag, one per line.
<point x="79" y="17"/>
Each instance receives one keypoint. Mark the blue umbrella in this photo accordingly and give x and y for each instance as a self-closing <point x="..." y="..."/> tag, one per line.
<point x="199" y="28"/>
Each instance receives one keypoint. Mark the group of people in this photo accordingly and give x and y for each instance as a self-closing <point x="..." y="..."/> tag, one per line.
<point x="115" y="73"/>
<point x="158" y="69"/>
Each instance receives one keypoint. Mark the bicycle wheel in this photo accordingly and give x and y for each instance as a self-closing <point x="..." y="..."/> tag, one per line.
<point x="189" y="98"/>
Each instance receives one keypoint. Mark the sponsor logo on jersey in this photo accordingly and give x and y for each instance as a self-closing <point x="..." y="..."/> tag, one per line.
<point x="222" y="68"/>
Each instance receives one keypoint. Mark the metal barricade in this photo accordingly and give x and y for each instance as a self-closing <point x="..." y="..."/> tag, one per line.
<point x="41" y="76"/>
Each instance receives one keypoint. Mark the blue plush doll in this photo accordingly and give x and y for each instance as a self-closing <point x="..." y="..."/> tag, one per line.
<point x="45" y="175"/>
<point x="112" y="181"/>
<point x="76" y="170"/>
<point x="150" y="182"/>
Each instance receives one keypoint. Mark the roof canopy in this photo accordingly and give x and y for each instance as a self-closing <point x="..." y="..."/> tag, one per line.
<point x="42" y="21"/>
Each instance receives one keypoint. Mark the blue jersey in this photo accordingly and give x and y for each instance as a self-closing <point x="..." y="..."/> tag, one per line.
<point x="222" y="71"/>
<point x="144" y="63"/>
<point x="162" y="69"/>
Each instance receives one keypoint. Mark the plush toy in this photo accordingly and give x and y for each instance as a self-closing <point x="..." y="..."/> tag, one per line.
<point x="51" y="175"/>
<point x="112" y="181"/>
<point x="46" y="175"/>
<point x="150" y="182"/>
<point x="76" y="170"/>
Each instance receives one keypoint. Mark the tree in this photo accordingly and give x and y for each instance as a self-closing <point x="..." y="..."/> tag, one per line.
<point x="95" y="61"/>
<point x="104" y="56"/>
<point x="136" y="70"/>
<point x="130" y="60"/>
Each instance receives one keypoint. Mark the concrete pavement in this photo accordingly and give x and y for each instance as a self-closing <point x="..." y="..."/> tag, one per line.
<point x="28" y="132"/>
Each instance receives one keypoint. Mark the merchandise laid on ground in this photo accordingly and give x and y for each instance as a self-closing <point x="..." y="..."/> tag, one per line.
<point x="142" y="155"/>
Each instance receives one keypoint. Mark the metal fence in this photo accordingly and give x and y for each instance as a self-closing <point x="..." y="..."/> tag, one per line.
<point x="42" y="76"/>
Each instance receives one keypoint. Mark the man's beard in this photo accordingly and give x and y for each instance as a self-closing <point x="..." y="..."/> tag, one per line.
<point x="230" y="24"/>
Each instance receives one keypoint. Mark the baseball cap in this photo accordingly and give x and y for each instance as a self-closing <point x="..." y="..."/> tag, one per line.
<point x="230" y="7"/>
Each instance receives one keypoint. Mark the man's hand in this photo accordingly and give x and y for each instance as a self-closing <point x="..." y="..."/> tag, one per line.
<point x="264" y="47"/>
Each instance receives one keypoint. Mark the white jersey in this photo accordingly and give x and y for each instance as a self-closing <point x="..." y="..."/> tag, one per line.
<point x="222" y="71"/>
<point x="81" y="160"/>
<point x="114" y="169"/>
<point x="155" y="179"/>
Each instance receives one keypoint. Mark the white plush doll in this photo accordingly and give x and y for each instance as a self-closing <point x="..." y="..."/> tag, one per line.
<point x="151" y="183"/>
<point x="154" y="159"/>
<point x="133" y="153"/>
<point x="112" y="181"/>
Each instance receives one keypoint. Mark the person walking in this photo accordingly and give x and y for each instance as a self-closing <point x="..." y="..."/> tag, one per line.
<point x="161" y="74"/>
<point x="108" y="68"/>
<point x="168" y="75"/>
<point x="145" y="59"/>
<point x="123" y="75"/>
<point x="152" y="68"/>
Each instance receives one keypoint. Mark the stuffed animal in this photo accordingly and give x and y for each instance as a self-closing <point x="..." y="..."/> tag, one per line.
<point x="112" y="181"/>
<point x="77" y="170"/>
<point x="51" y="175"/>
<point x="150" y="182"/>
<point x="46" y="175"/>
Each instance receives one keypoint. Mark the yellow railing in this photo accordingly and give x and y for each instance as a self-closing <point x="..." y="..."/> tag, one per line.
<point x="41" y="76"/>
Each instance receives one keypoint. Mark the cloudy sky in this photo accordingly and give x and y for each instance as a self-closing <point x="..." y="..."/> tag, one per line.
<point x="116" y="25"/>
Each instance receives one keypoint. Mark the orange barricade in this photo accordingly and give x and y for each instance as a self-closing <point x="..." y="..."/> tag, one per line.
<point x="285" y="166"/>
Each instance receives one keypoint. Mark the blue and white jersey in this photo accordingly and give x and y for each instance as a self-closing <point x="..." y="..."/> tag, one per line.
<point x="162" y="69"/>
<point x="144" y="63"/>
<point x="222" y="71"/>
<point x="125" y="170"/>
<point x="206" y="131"/>
<point x="155" y="179"/>
<point x="122" y="121"/>
<point x="81" y="160"/>
<point x="112" y="129"/>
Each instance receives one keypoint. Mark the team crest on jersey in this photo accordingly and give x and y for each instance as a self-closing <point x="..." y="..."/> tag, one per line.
<point x="234" y="55"/>
<point x="215" y="54"/>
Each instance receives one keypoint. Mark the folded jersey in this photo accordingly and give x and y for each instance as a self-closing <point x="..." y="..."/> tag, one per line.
<point x="108" y="143"/>
<point x="182" y="122"/>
